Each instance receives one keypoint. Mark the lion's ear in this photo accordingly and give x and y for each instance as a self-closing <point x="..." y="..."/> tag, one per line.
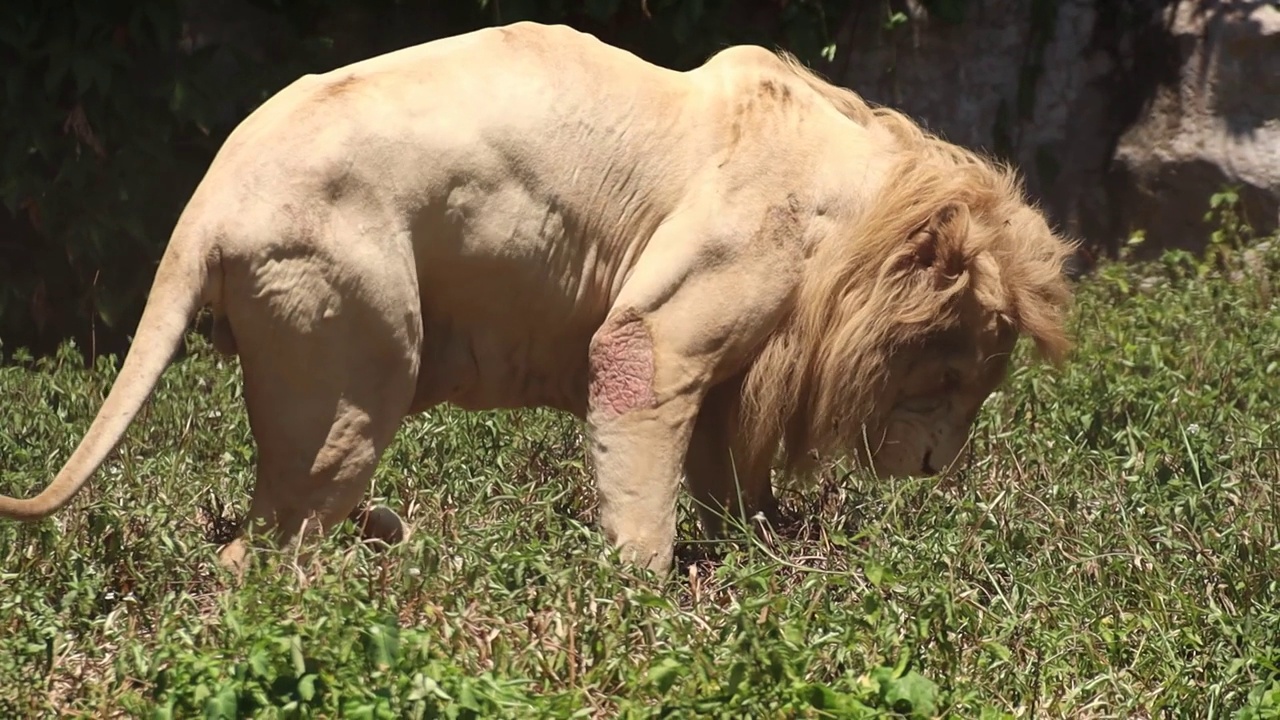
<point x="938" y="245"/>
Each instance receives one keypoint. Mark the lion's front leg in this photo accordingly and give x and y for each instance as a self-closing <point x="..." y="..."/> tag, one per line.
<point x="728" y="480"/>
<point x="640" y="421"/>
<point x="696" y="303"/>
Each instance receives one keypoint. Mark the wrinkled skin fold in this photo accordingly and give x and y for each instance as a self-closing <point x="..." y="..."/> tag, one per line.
<point x="716" y="270"/>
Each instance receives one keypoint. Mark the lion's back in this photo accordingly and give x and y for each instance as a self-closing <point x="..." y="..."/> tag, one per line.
<point x="459" y="98"/>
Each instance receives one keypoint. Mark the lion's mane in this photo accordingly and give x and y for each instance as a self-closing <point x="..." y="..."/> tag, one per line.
<point x="818" y="379"/>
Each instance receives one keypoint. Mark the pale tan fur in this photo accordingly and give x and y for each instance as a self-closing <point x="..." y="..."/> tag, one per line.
<point x="700" y="265"/>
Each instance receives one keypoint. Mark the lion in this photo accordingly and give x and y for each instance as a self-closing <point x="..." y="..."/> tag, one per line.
<point x="721" y="272"/>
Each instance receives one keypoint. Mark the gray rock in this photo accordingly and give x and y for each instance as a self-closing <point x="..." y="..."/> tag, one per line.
<point x="1122" y="114"/>
<point x="1217" y="123"/>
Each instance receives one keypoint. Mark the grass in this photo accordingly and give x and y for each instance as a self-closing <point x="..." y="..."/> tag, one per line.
<point x="1111" y="550"/>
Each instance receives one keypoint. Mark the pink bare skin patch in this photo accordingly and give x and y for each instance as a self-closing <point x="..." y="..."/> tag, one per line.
<point x="622" y="368"/>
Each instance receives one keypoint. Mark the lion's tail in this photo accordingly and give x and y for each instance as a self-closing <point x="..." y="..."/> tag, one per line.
<point x="176" y="293"/>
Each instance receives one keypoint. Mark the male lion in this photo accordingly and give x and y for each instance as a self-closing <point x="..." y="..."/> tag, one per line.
<point x="705" y="266"/>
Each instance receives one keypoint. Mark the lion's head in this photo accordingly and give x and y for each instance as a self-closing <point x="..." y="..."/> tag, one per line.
<point x="903" y="327"/>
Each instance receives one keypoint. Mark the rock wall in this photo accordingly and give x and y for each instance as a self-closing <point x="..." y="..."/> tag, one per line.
<point x="1216" y="123"/>
<point x="1122" y="114"/>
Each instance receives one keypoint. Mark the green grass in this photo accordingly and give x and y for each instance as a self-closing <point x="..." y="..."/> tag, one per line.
<point x="1110" y="550"/>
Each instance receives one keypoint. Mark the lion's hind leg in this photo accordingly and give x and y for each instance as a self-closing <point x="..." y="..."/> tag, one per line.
<point x="328" y="375"/>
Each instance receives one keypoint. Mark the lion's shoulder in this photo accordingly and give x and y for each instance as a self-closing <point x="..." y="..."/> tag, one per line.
<point x="751" y="69"/>
<point x="759" y="84"/>
<point x="745" y="58"/>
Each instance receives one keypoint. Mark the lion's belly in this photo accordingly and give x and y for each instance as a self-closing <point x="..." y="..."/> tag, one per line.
<point x="514" y="281"/>
<point x="496" y="365"/>
<point x="507" y="331"/>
